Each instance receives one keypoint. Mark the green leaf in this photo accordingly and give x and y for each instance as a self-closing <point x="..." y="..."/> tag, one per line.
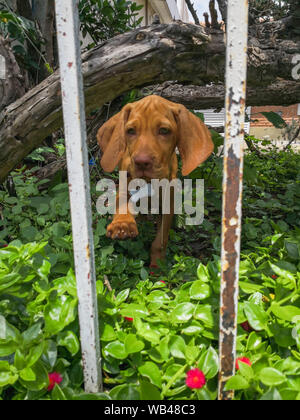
<point x="292" y="249"/>
<point x="256" y="316"/>
<point x="192" y="353"/>
<point x="107" y="332"/>
<point x="70" y="341"/>
<point x="158" y="296"/>
<point x="217" y="139"/>
<point x="246" y="371"/>
<point x="116" y="349"/>
<point x="8" y="332"/>
<point x="177" y="347"/>
<point x="202" y="273"/>
<point x="100" y="396"/>
<point x="271" y="377"/>
<point x="204" y="395"/>
<point x="290" y="366"/>
<point x="27" y="374"/>
<point x="250" y="288"/>
<point x="7" y="378"/>
<point x="41" y="381"/>
<point x="274" y="119"/>
<point x="60" y="313"/>
<point x="124" y="392"/>
<point x="132" y="344"/>
<point x="283" y="336"/>
<point x="149" y="391"/>
<point x="34" y="354"/>
<point x="199" y="290"/>
<point x="209" y="363"/>
<point x="254" y="341"/>
<point x="50" y="353"/>
<point x="19" y="360"/>
<point x="32" y="333"/>
<point x="29" y="233"/>
<point x="106" y="251"/>
<point x="101" y="228"/>
<point x="182" y="312"/>
<point x="204" y="313"/>
<point x="58" y="394"/>
<point x="192" y="330"/>
<point x="122" y="296"/>
<point x="286" y="313"/>
<point x="44" y="270"/>
<point x="151" y="371"/>
<point x="236" y="383"/>
<point x="282" y="272"/>
<point x="164" y="348"/>
<point x="271" y="395"/>
<point x="133" y="310"/>
<point x="149" y="334"/>
<point x="8" y="348"/>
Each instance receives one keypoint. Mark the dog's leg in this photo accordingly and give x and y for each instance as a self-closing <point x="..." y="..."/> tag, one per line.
<point x="123" y="225"/>
<point x="159" y="245"/>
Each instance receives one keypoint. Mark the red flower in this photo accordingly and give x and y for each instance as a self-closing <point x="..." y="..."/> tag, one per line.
<point x="246" y="326"/>
<point x="243" y="360"/>
<point x="195" y="379"/>
<point x="54" y="378"/>
<point x="152" y="273"/>
<point x="128" y="319"/>
<point x="4" y="246"/>
<point x="274" y="277"/>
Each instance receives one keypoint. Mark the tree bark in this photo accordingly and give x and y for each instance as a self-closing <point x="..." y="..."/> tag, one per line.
<point x="24" y="9"/>
<point x="280" y="92"/>
<point x="183" y="52"/>
<point x="44" y="13"/>
<point x="15" y="84"/>
<point x="223" y="9"/>
<point x="193" y="12"/>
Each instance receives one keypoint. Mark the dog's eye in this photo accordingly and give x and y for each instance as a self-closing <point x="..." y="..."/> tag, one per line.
<point x="164" y="131"/>
<point x="131" y="131"/>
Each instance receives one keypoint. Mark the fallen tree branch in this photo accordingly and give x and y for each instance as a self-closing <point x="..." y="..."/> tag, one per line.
<point x="279" y="92"/>
<point x="193" y="12"/>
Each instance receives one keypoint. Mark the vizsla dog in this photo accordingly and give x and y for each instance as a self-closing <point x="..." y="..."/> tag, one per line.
<point x="142" y="139"/>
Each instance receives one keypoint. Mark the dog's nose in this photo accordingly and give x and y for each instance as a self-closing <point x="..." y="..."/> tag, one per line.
<point x="143" y="162"/>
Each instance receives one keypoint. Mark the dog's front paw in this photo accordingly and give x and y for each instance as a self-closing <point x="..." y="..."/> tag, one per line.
<point x="122" y="229"/>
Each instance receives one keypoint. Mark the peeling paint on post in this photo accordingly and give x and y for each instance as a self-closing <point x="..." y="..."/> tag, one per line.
<point x="236" y="72"/>
<point x="79" y="187"/>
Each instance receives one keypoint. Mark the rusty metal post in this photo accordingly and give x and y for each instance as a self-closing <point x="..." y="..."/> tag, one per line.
<point x="67" y="19"/>
<point x="236" y="72"/>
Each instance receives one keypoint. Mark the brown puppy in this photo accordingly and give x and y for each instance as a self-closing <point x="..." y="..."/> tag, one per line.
<point x="142" y="139"/>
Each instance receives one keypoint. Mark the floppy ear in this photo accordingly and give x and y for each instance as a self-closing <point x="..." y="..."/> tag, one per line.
<point x="194" y="140"/>
<point x="111" y="139"/>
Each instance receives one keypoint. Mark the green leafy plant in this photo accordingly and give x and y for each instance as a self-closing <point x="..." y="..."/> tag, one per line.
<point x="154" y="329"/>
<point x="103" y="19"/>
<point x="27" y="41"/>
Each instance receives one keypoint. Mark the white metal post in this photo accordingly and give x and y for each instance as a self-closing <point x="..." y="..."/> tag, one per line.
<point x="67" y="19"/>
<point x="236" y="72"/>
<point x="2" y="67"/>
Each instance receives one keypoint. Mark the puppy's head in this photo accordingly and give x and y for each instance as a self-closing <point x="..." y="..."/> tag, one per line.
<point x="146" y="134"/>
